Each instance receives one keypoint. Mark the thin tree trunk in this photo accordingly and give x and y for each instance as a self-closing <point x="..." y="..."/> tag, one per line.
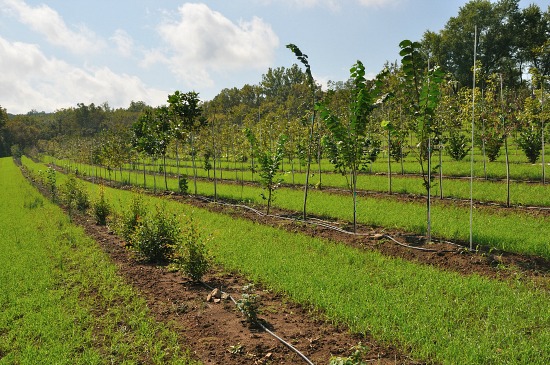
<point x="165" y="178"/>
<point x="389" y="161"/>
<point x="440" y="170"/>
<point x="154" y="177"/>
<point x="144" y="182"/>
<point x="319" y="163"/>
<point x="215" y="161"/>
<point x="193" y="163"/>
<point x="507" y="171"/>
<point x="354" y="189"/>
<point x="428" y="186"/>
<point x="177" y="161"/>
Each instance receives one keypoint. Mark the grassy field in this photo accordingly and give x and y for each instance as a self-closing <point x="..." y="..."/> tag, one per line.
<point x="434" y="315"/>
<point x="61" y="301"/>
<point x="521" y="193"/>
<point x="500" y="230"/>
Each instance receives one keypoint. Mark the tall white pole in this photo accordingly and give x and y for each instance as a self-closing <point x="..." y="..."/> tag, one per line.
<point x="472" y="149"/>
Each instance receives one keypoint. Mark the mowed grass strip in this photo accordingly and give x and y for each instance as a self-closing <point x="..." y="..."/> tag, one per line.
<point x="510" y="230"/>
<point x="521" y="193"/>
<point x="61" y="301"/>
<point x="437" y="316"/>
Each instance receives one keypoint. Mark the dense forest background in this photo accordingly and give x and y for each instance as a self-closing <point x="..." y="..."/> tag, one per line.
<point x="512" y="71"/>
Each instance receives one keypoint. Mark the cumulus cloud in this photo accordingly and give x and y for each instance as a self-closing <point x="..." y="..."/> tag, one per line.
<point x="30" y="80"/>
<point x="50" y="24"/>
<point x="202" y="41"/>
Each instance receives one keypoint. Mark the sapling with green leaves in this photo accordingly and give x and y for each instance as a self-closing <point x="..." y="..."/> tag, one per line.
<point x="188" y="119"/>
<point x="348" y="133"/>
<point x="270" y="163"/>
<point x="249" y="304"/>
<point x="311" y="83"/>
<point x="425" y="86"/>
<point x="191" y="254"/>
<point x="101" y="209"/>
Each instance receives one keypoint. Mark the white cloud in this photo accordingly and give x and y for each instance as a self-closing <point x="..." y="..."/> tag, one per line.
<point x="123" y="42"/>
<point x="379" y="3"/>
<point x="30" y="80"/>
<point x="203" y="41"/>
<point x="48" y="22"/>
<point x="335" y="4"/>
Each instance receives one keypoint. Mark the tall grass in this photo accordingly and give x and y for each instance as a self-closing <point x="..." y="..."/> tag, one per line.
<point x="61" y="301"/>
<point x="435" y="315"/>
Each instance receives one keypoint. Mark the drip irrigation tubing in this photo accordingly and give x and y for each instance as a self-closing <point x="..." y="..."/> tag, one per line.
<point x="322" y="223"/>
<point x="304" y="357"/>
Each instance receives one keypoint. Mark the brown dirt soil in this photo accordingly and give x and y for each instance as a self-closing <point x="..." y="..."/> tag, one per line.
<point x="211" y="330"/>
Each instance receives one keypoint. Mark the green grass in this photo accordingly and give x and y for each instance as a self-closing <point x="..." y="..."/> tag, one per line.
<point x="432" y="314"/>
<point x="61" y="301"/>
<point x="510" y="230"/>
<point x="521" y="193"/>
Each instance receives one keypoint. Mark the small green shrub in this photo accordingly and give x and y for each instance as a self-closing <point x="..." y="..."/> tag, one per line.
<point x="131" y="218"/>
<point x="51" y="183"/>
<point x="156" y="236"/>
<point x="191" y="254"/>
<point x="75" y="195"/>
<point x="457" y="146"/>
<point x="249" y="304"/>
<point x="530" y="142"/>
<point x="101" y="208"/>
<point x="183" y="184"/>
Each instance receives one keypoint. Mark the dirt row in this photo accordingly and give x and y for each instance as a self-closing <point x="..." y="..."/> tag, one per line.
<point x="217" y="333"/>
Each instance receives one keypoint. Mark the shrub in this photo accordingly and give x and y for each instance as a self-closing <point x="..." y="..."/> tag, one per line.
<point x="131" y="218"/>
<point x="249" y="303"/>
<point x="530" y="142"/>
<point x="457" y="146"/>
<point x="191" y="254"/>
<point x="74" y="195"/>
<point x="493" y="144"/>
<point x="51" y="182"/>
<point x="101" y="209"/>
<point x="183" y="184"/>
<point x="156" y="236"/>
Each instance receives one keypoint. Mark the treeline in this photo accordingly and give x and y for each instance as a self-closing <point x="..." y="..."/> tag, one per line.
<point x="19" y="133"/>
<point x="504" y="104"/>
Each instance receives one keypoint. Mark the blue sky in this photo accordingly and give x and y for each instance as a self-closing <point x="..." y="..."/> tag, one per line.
<point x="57" y="53"/>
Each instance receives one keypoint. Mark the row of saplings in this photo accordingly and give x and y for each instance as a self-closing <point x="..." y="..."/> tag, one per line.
<point x="156" y="237"/>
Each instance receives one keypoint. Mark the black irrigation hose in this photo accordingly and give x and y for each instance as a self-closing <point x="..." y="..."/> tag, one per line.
<point x="329" y="226"/>
<point x="267" y="330"/>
